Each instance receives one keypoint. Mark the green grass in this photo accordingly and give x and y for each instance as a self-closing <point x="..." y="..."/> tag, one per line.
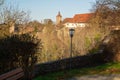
<point x="108" y="68"/>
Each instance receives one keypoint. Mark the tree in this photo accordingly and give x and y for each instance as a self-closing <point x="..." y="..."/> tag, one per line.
<point x="112" y="47"/>
<point x="36" y="24"/>
<point x="11" y="17"/>
<point x="48" y="22"/>
<point x="1" y="2"/>
<point x="107" y="12"/>
<point x="13" y="14"/>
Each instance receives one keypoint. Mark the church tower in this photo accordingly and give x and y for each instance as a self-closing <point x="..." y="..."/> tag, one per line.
<point x="58" y="18"/>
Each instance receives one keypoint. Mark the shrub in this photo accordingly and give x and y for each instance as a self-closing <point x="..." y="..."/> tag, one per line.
<point x="112" y="48"/>
<point x="19" y="51"/>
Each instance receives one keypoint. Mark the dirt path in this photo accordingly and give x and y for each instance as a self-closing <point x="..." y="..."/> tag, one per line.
<point x="97" y="77"/>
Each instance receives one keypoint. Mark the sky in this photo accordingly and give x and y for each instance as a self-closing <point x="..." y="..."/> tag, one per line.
<point x="48" y="9"/>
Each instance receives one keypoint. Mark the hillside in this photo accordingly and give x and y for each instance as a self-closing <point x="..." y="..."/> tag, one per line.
<point x="56" y="41"/>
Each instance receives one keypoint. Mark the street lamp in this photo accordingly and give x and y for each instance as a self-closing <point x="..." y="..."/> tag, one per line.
<point x="71" y="32"/>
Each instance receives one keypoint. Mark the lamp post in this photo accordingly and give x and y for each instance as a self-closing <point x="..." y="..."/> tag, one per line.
<point x="71" y="32"/>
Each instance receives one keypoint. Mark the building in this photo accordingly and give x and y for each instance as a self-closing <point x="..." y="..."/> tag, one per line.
<point x="11" y="27"/>
<point x="58" y="18"/>
<point x="7" y="28"/>
<point x="47" y="21"/>
<point x="79" y="20"/>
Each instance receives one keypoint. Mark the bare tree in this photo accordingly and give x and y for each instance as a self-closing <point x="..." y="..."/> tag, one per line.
<point x="1" y="2"/>
<point x="107" y="12"/>
<point x="13" y="14"/>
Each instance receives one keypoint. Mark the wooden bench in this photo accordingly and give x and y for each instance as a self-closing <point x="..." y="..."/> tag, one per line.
<point x="12" y="75"/>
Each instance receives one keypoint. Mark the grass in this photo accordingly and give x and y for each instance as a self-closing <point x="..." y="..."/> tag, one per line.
<point x="108" y="68"/>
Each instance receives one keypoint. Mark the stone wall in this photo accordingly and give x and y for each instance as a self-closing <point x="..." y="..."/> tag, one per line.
<point x="66" y="64"/>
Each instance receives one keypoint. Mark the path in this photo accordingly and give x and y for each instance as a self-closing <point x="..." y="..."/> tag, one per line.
<point x="98" y="77"/>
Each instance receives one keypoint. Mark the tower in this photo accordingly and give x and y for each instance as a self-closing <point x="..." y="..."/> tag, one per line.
<point x="58" y="18"/>
<point x="12" y="27"/>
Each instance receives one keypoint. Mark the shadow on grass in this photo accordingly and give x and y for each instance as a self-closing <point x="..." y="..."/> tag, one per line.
<point x="107" y="68"/>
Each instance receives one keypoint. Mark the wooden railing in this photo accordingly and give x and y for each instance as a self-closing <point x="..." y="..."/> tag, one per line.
<point x="12" y="75"/>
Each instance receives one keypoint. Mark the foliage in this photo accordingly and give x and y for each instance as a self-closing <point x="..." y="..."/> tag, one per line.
<point x="88" y="42"/>
<point x="112" y="48"/>
<point x="1" y="2"/>
<point x="56" y="42"/>
<point x="19" y="51"/>
<point x="13" y="14"/>
<point x="106" y="13"/>
<point x="4" y="31"/>
<point x="48" y="22"/>
<point x="87" y="39"/>
<point x="12" y="17"/>
<point x="36" y="24"/>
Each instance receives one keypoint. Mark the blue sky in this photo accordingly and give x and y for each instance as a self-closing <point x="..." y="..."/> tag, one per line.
<point x="48" y="9"/>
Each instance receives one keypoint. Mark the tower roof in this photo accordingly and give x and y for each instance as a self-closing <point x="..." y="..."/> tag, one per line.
<point x="59" y="15"/>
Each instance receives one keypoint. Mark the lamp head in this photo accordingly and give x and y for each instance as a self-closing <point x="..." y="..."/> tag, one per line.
<point x="71" y="31"/>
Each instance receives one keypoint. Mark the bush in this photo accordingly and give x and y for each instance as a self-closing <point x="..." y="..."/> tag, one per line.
<point x="112" y="48"/>
<point x="19" y="51"/>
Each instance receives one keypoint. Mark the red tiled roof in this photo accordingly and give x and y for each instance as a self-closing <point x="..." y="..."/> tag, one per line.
<point x="68" y="20"/>
<point x="79" y="18"/>
<point x="82" y="17"/>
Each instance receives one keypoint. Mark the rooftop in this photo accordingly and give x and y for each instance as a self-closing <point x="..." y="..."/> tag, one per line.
<point x="79" y="18"/>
